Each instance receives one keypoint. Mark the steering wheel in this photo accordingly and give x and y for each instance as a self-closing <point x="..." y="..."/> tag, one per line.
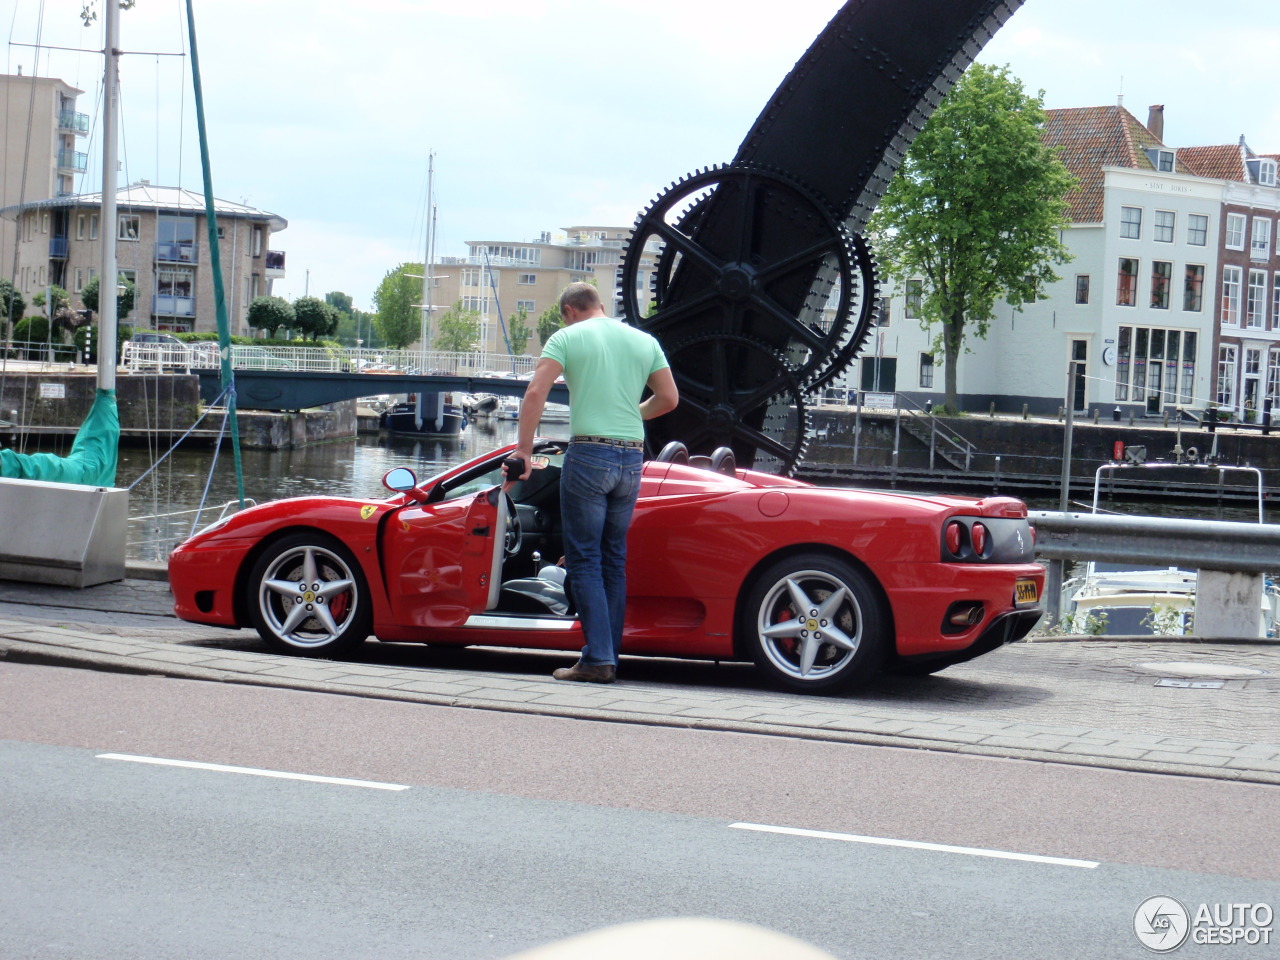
<point x="514" y="536"/>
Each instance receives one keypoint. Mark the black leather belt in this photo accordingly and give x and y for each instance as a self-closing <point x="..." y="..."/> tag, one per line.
<point x="611" y="441"/>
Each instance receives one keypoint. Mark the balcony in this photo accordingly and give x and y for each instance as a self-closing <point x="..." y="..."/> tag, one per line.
<point x="57" y="248"/>
<point x="72" y="161"/>
<point x="177" y="252"/>
<point x="71" y="122"/>
<point x="274" y="264"/>
<point x="164" y="306"/>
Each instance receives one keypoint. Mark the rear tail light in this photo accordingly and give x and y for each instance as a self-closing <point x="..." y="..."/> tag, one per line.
<point x="979" y="537"/>
<point x="955" y="537"/>
<point x="1033" y="535"/>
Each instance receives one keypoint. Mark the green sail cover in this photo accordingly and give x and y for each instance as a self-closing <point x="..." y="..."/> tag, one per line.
<point x="93" y="456"/>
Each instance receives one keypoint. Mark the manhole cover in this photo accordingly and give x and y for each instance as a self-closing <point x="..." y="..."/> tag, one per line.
<point x="1202" y="671"/>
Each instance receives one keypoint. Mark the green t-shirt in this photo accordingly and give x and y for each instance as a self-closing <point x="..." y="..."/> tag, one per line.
<point x="606" y="365"/>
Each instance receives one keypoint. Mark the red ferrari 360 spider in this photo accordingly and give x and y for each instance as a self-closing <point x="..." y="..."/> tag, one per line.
<point x="821" y="587"/>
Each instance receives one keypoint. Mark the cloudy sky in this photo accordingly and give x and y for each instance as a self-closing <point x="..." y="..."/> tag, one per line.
<point x="546" y="113"/>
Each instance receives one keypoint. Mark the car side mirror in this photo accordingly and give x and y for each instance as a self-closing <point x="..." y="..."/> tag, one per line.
<point x="400" y="479"/>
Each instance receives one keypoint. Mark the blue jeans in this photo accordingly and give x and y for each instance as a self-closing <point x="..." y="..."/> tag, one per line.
<point x="598" y="489"/>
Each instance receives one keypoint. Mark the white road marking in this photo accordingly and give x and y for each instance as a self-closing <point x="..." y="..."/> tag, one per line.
<point x="253" y="771"/>
<point x="916" y="845"/>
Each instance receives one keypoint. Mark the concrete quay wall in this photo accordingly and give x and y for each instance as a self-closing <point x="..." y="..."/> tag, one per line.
<point x="156" y="405"/>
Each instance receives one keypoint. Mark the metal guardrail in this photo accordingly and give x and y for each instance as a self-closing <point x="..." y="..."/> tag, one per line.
<point x="1161" y="541"/>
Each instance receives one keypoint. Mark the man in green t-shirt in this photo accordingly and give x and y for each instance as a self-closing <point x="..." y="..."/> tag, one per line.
<point x="606" y="365"/>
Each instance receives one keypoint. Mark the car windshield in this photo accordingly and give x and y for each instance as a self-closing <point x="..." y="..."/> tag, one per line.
<point x="546" y="468"/>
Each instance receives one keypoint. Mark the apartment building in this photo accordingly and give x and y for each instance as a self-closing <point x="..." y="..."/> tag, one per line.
<point x="162" y="248"/>
<point x="1170" y="301"/>
<point x="39" y="158"/>
<point x="1248" y="332"/>
<point x="500" y="279"/>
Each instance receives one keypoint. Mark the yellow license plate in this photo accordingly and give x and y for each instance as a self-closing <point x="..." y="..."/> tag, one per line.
<point x="1024" y="591"/>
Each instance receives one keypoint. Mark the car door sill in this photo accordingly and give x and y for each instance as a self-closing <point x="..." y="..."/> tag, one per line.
<point x="517" y="621"/>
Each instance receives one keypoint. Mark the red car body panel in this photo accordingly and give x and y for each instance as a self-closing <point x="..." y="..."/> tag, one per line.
<point x="696" y="540"/>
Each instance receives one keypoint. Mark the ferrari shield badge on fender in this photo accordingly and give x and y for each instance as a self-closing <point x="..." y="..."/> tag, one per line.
<point x="367" y="511"/>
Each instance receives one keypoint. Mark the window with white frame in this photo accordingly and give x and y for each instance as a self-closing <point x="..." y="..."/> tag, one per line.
<point x="1232" y="279"/>
<point x="1197" y="229"/>
<point x="1267" y="172"/>
<point x="1252" y="375"/>
<point x="1275" y="301"/>
<point x="478" y="304"/>
<point x="1193" y="288"/>
<point x="469" y="277"/>
<point x="1127" y="283"/>
<point x="527" y="278"/>
<point x="1255" y="314"/>
<point x="1273" y="376"/>
<point x="1082" y="288"/>
<point x="80" y="225"/>
<point x="528" y="306"/>
<point x="93" y="226"/>
<point x="1260" y="239"/>
<point x="1235" y="231"/>
<point x="1131" y="223"/>
<point x="130" y="227"/>
<point x="1165" y="222"/>
<point x="915" y="291"/>
<point x="1225" y="395"/>
<point x="926" y="371"/>
<point x="1155" y="361"/>
<point x="1161" y="281"/>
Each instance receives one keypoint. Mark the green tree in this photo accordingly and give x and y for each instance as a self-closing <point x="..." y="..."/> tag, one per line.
<point x="61" y="300"/>
<point x="12" y="305"/>
<point x="339" y="301"/>
<point x="270" y="314"/>
<point x="519" y="332"/>
<point x="397" y="317"/>
<point x="458" y="330"/>
<point x="33" y="330"/>
<point x="549" y="321"/>
<point x="976" y="210"/>
<point x="124" y="296"/>
<point x="314" y="318"/>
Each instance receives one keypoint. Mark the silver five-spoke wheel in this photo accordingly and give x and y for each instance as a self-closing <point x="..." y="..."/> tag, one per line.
<point x="815" y="622"/>
<point x="308" y="596"/>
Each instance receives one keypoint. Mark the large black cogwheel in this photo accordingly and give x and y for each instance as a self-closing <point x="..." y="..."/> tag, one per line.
<point x="746" y="250"/>
<point x="739" y="393"/>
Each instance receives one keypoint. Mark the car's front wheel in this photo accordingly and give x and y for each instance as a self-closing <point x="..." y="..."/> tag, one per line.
<point x="815" y="622"/>
<point x="307" y="595"/>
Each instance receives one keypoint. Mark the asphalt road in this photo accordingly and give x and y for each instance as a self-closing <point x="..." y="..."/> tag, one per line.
<point x="515" y="830"/>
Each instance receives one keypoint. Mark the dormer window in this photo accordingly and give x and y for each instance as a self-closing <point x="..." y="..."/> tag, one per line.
<point x="1161" y="159"/>
<point x="1267" y="173"/>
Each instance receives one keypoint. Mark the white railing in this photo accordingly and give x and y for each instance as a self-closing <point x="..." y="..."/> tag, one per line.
<point x="205" y="355"/>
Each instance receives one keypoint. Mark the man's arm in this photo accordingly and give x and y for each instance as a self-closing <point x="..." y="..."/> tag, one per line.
<point x="665" y="395"/>
<point x="531" y="407"/>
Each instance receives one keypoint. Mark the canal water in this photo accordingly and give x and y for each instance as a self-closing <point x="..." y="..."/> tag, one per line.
<point x="187" y="489"/>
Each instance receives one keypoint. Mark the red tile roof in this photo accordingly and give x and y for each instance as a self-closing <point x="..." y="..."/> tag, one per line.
<point x="1217" y="163"/>
<point x="1090" y="138"/>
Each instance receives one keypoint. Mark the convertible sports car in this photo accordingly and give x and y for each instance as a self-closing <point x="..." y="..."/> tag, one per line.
<point x="821" y="587"/>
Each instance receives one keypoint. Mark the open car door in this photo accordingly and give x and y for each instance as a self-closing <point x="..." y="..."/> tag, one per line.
<point x="443" y="560"/>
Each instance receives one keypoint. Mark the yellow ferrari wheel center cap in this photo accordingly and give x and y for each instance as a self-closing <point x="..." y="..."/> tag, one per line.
<point x="811" y="624"/>
<point x="309" y="597"/>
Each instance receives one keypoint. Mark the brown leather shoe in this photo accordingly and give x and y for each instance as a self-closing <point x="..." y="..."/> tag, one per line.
<point x="587" y="673"/>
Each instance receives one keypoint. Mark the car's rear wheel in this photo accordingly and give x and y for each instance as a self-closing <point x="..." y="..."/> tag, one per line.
<point x="306" y="595"/>
<point x="815" y="622"/>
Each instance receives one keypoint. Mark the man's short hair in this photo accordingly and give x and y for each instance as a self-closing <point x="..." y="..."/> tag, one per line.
<point x="580" y="296"/>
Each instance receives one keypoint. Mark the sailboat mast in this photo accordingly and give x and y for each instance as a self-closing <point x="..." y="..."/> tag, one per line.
<point x="428" y="256"/>
<point x="108" y="319"/>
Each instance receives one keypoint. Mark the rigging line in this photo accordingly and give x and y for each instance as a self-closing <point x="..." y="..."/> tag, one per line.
<point x="190" y="430"/>
<point x="204" y="496"/>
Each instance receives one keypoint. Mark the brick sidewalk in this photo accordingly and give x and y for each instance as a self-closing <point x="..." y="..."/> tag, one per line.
<point x="1089" y="702"/>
